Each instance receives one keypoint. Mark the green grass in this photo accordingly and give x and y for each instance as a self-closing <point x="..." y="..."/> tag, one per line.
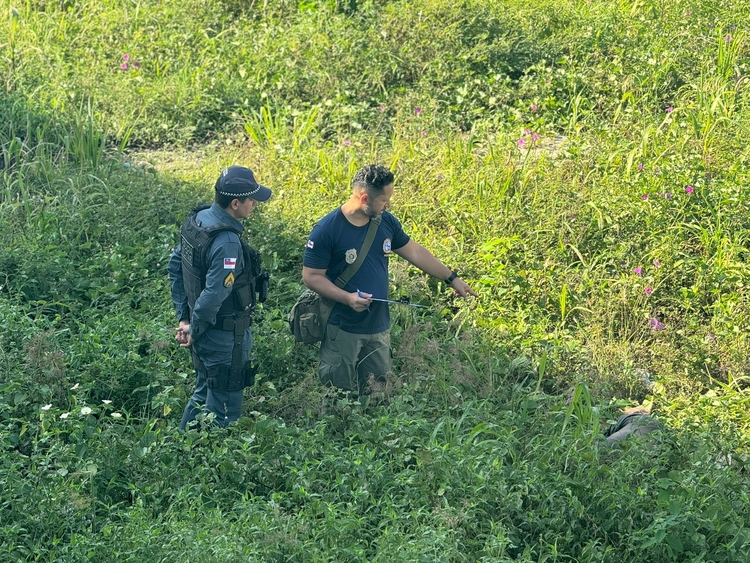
<point x="582" y="165"/>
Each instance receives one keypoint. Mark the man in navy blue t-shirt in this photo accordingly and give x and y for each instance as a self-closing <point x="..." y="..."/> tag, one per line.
<point x="357" y="340"/>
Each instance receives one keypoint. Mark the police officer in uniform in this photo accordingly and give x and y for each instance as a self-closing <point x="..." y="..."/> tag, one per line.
<point x="216" y="281"/>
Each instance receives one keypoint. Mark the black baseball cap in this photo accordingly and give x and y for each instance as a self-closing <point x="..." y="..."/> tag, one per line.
<point x="238" y="181"/>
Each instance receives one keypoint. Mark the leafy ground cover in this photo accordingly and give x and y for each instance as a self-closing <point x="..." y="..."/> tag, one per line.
<point x="582" y="164"/>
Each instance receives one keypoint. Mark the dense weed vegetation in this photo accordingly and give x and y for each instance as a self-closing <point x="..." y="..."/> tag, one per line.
<point x="582" y="164"/>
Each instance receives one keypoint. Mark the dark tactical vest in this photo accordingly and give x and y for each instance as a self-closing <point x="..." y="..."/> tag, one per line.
<point x="195" y="242"/>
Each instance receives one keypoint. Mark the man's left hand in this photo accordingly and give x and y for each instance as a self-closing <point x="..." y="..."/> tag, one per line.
<point x="183" y="334"/>
<point x="462" y="289"/>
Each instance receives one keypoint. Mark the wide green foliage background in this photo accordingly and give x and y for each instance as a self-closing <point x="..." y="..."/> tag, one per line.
<point x="582" y="164"/>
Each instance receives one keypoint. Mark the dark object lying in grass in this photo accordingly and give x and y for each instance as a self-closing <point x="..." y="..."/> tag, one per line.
<point x="631" y="424"/>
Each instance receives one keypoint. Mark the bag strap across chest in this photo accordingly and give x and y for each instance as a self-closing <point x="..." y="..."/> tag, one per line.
<point x="347" y="274"/>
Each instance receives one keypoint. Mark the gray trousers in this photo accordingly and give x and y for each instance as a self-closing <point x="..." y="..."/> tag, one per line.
<point x="215" y="348"/>
<point x="347" y="360"/>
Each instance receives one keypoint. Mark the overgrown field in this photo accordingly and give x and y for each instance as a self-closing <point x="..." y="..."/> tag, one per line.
<point x="582" y="164"/>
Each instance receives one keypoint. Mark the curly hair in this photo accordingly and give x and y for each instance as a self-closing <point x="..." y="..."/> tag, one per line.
<point x="372" y="178"/>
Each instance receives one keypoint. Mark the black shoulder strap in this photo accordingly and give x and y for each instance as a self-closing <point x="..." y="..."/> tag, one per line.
<point x="347" y="274"/>
<point x="214" y="229"/>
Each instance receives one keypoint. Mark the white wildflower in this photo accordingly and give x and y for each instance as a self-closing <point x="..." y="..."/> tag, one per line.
<point x="116" y="415"/>
<point x="86" y="410"/>
<point x="75" y="387"/>
<point x="65" y="415"/>
<point x="106" y="401"/>
<point x="47" y="407"/>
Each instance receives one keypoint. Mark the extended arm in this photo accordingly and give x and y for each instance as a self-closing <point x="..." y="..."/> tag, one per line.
<point x="426" y="261"/>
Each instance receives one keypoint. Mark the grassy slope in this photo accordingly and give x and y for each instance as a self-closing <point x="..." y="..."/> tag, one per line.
<point x="470" y="457"/>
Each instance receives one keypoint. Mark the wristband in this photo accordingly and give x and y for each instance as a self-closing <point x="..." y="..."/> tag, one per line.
<point x="452" y="277"/>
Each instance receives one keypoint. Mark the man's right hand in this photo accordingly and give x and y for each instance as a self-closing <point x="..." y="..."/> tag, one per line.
<point x="359" y="301"/>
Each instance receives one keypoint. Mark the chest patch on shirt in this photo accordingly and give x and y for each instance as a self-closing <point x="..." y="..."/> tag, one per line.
<point x="229" y="280"/>
<point x="351" y="255"/>
<point x="230" y="263"/>
<point x="310" y="244"/>
<point x="387" y="246"/>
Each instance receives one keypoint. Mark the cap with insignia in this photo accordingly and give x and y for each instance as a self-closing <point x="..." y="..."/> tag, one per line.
<point x="238" y="181"/>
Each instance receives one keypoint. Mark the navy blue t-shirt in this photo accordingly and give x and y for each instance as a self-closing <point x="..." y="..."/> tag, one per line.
<point x="334" y="244"/>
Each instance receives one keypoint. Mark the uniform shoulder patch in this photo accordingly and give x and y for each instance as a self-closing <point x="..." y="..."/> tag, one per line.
<point x="229" y="280"/>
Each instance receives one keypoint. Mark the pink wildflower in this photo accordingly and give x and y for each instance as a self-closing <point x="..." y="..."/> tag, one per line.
<point x="648" y="291"/>
<point x="418" y="111"/>
<point x="655" y="324"/>
<point x="657" y="263"/>
<point x="644" y="197"/>
<point x="638" y="270"/>
<point x="689" y="189"/>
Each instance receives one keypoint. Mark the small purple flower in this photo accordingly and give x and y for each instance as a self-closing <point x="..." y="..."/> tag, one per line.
<point x="728" y="38"/>
<point x="710" y="336"/>
<point x="347" y="143"/>
<point x="381" y="108"/>
<point x="638" y="270"/>
<point x="570" y="398"/>
<point x="534" y="107"/>
<point x="689" y="189"/>
<point x="536" y="138"/>
<point x="657" y="263"/>
<point x="648" y="291"/>
<point x="708" y="175"/>
<point x="527" y="131"/>
<point x="644" y="197"/>
<point x="689" y="12"/>
<point x="521" y="142"/>
<point x="124" y="66"/>
<point x="440" y="176"/>
<point x="668" y="195"/>
<point x="655" y="324"/>
<point x="670" y="109"/>
<point x="418" y="111"/>
<point x="424" y="133"/>
<point x="640" y="166"/>
<point x="657" y="171"/>
<point x="136" y="64"/>
<point x="126" y="57"/>
<point x="566" y="240"/>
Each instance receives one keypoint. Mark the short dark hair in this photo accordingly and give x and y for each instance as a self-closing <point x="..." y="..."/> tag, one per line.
<point x="225" y="201"/>
<point x="372" y="178"/>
